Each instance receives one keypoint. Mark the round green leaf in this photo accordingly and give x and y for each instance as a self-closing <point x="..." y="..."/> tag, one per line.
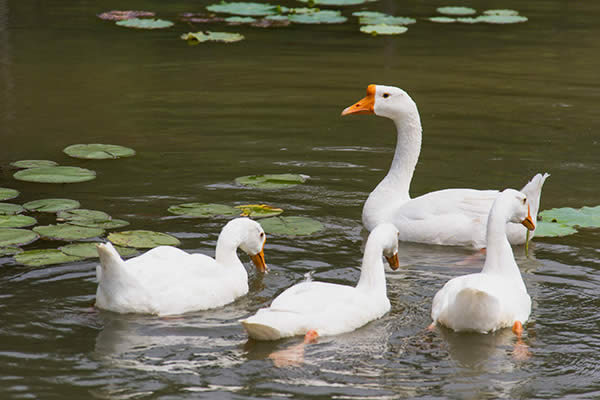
<point x="442" y="20"/>
<point x="319" y="17"/>
<point x="203" y="210"/>
<point x="142" y="239"/>
<point x="83" y="215"/>
<point x="67" y="232"/>
<point x="16" y="237"/>
<point x="244" y="8"/>
<point x="55" y="175"/>
<point x="51" y="205"/>
<point x="97" y="151"/>
<point x="33" y="163"/>
<point x="501" y="19"/>
<point x="145" y="23"/>
<point x="271" y="181"/>
<point x="38" y="258"/>
<point x="16" y="221"/>
<point x="585" y="217"/>
<point x="501" y="12"/>
<point x="259" y="210"/>
<point x="291" y="226"/>
<point x="553" y="229"/>
<point x="10" y="209"/>
<point x="386" y="20"/>
<point x="9" y="251"/>
<point x="112" y="224"/>
<point x="7" y="194"/>
<point x="383" y="29"/>
<point x="456" y="10"/>
<point x="335" y="2"/>
<point x="88" y="250"/>
<point x="239" y="20"/>
<point x="199" y="37"/>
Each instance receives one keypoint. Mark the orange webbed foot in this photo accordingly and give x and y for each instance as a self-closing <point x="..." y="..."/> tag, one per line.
<point x="517" y="328"/>
<point x="311" y="336"/>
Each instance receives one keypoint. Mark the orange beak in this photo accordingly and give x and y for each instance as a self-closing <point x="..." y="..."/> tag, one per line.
<point x="364" y="106"/>
<point x="528" y="222"/>
<point x="393" y="261"/>
<point x="259" y="260"/>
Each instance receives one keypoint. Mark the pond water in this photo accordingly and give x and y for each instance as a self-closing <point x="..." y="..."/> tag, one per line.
<point x="498" y="104"/>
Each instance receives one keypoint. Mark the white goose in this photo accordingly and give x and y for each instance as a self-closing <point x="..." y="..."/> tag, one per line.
<point x="445" y="217"/>
<point x="167" y="280"/>
<point x="496" y="297"/>
<point x="321" y="309"/>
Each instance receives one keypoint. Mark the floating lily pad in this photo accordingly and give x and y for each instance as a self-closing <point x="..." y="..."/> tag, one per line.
<point x="96" y="151"/>
<point x="9" y="251"/>
<point x="501" y="19"/>
<point x="17" y="237"/>
<point x="55" y="175"/>
<point x="38" y="258"/>
<point x="203" y="210"/>
<point x="116" y="15"/>
<point x="51" y="205"/>
<point x="271" y="181"/>
<point x="82" y="214"/>
<point x="442" y="20"/>
<point x="272" y="21"/>
<point x="142" y="239"/>
<point x="10" y="209"/>
<point x="145" y="23"/>
<point x="240" y="20"/>
<point x="16" y="221"/>
<point x="335" y="2"/>
<point x="291" y="226"/>
<point x="585" y="217"/>
<point x="67" y="232"/>
<point x="383" y="29"/>
<point x="244" y="8"/>
<point x="199" y="37"/>
<point x="501" y="12"/>
<point x="386" y="20"/>
<point x="7" y="194"/>
<point x="33" y="163"/>
<point x="259" y="210"/>
<point x="468" y="20"/>
<point x="319" y="17"/>
<point x="88" y="250"/>
<point x="456" y="10"/>
<point x="553" y="229"/>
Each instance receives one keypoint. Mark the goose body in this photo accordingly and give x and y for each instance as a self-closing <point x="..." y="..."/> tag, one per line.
<point x="328" y="308"/>
<point x="445" y="217"/>
<point x="496" y="297"/>
<point x="167" y="280"/>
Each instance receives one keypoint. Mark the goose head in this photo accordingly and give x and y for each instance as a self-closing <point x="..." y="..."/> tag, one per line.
<point x="250" y="238"/>
<point x="384" y="101"/>
<point x="518" y="210"/>
<point x="387" y="235"/>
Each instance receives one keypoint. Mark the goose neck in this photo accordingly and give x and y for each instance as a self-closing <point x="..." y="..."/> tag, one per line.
<point x="226" y="251"/>
<point x="372" y="275"/>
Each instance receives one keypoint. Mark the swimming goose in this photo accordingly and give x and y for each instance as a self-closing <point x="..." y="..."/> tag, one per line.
<point x="318" y="308"/>
<point x="496" y="297"/>
<point x="167" y="280"/>
<point x="445" y="217"/>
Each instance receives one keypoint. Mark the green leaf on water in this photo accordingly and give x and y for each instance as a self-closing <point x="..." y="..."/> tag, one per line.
<point x="51" y="205"/>
<point x="553" y="229"/>
<point x="239" y="20"/>
<point x="9" y="251"/>
<point x="501" y="12"/>
<point x="7" y="194"/>
<point x="244" y="8"/>
<point x="456" y="10"/>
<point x="96" y="151"/>
<point x="335" y="2"/>
<point x="145" y="23"/>
<point x="16" y="221"/>
<point x="17" y="237"/>
<point x="143" y="239"/>
<point x="585" y="217"/>
<point x="33" y="163"/>
<point x="203" y="210"/>
<point x="271" y="181"/>
<point x="199" y="37"/>
<point x="10" y="209"/>
<point x="501" y="19"/>
<point x="88" y="250"/>
<point x="67" y="232"/>
<point x="82" y="214"/>
<point x="442" y="20"/>
<point x="319" y="17"/>
<point x="291" y="226"/>
<point x="383" y="29"/>
<point x="368" y="14"/>
<point x="55" y="175"/>
<point x="259" y="210"/>
<point x="38" y="258"/>
<point x="386" y="20"/>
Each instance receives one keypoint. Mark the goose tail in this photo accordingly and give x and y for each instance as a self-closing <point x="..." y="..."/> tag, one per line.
<point x="474" y="310"/>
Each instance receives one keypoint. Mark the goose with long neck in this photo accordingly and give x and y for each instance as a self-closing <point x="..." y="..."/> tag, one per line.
<point x="167" y="280"/>
<point x="496" y="297"/>
<point x="322" y="309"/>
<point x="445" y="217"/>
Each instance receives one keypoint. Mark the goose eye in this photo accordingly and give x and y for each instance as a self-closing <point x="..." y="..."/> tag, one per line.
<point x="262" y="235"/>
<point x="524" y="200"/>
<point x="386" y="95"/>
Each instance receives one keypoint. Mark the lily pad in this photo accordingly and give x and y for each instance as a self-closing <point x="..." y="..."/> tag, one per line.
<point x="7" y="194"/>
<point x="88" y="250"/>
<point x="51" y="205"/>
<point x="239" y="20"/>
<point x="203" y="210"/>
<point x="143" y="239"/>
<point x="272" y="21"/>
<point x="386" y="20"/>
<point x="442" y="20"/>
<point x="96" y="151"/>
<point x="456" y="10"/>
<point x="502" y="19"/>
<point x="244" y="8"/>
<point x="259" y="210"/>
<point x="291" y="226"/>
<point x="370" y="14"/>
<point x="17" y="237"/>
<point x="67" y="232"/>
<point x="10" y="209"/>
<point x="585" y="217"/>
<point x="38" y="258"/>
<point x="55" y="175"/>
<point x="16" y="221"/>
<point x="9" y="251"/>
<point x="335" y="2"/>
<point x="383" y="29"/>
<point x="553" y="229"/>
<point x="199" y="37"/>
<point x="319" y="17"/>
<point x="116" y="15"/>
<point x="501" y="12"/>
<point x="33" y="163"/>
<point x="82" y="214"/>
<point x="468" y="20"/>
<point x="145" y="23"/>
<point x="271" y="181"/>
